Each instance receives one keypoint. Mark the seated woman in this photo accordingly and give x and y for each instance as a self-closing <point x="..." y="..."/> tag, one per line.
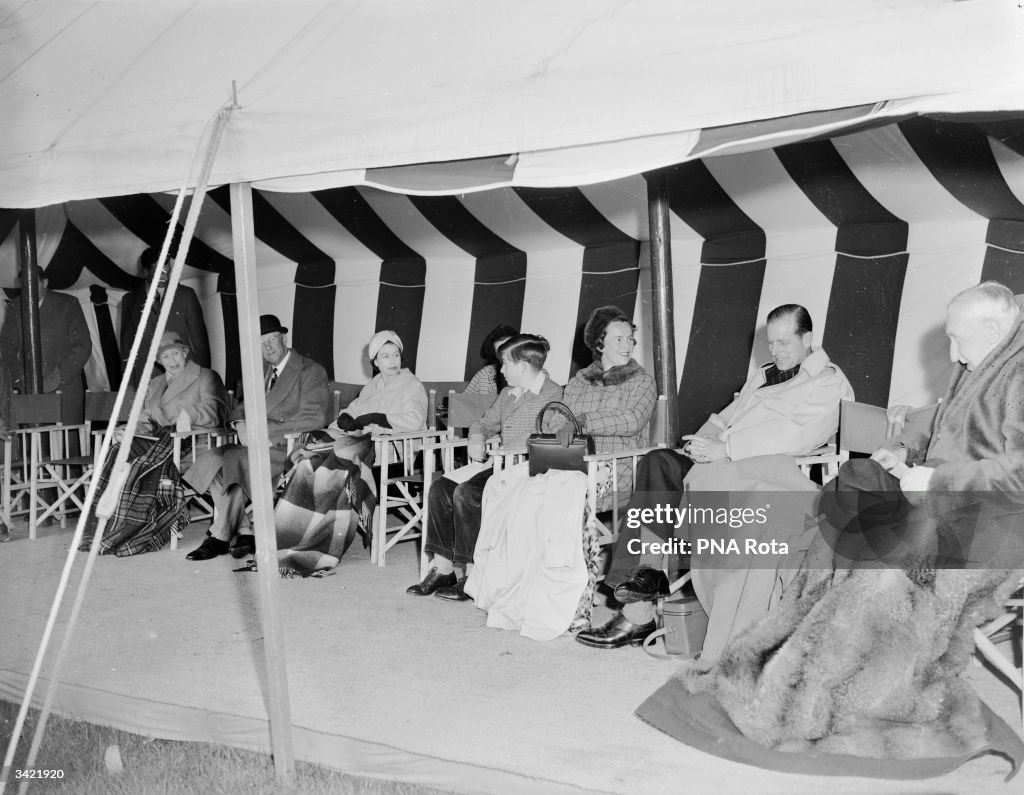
<point x="454" y="508"/>
<point x="614" y="397"/>
<point x="331" y="492"/>
<point x="152" y="502"/>
<point x="541" y="579"/>
<point x="488" y="380"/>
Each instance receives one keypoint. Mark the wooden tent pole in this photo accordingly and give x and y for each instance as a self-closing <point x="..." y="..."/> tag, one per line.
<point x="661" y="286"/>
<point x="258" y="442"/>
<point x="31" y="338"/>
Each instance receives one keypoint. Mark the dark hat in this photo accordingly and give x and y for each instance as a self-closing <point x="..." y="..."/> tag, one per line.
<point x="598" y="322"/>
<point x="269" y="324"/>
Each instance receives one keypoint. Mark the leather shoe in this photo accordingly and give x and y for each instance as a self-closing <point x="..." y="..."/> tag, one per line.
<point x="210" y="548"/>
<point x="644" y="586"/>
<point x="243" y="545"/>
<point x="454" y="593"/>
<point x="431" y="583"/>
<point x="618" y="632"/>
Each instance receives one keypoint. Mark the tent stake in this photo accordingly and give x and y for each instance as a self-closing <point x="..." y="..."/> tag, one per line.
<point x="258" y="442"/>
<point x="661" y="286"/>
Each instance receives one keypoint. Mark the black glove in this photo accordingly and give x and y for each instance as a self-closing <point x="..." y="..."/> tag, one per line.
<point x="347" y="423"/>
<point x="374" y="418"/>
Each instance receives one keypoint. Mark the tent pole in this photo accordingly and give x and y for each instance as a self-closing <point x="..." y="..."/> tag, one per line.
<point x="661" y="284"/>
<point x="31" y="338"/>
<point x="257" y="440"/>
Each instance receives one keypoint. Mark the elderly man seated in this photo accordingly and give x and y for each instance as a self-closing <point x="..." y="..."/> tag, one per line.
<point x="789" y="406"/>
<point x="918" y="546"/>
<point x="945" y="487"/>
<point x="296" y="389"/>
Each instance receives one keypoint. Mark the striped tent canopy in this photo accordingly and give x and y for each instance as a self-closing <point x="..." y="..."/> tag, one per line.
<point x="873" y="231"/>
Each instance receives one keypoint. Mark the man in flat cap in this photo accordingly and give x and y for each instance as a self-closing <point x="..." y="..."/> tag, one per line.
<point x="297" y="397"/>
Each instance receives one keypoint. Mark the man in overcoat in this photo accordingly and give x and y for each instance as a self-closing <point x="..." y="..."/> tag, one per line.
<point x="185" y="319"/>
<point x="65" y="342"/>
<point x="296" y="389"/>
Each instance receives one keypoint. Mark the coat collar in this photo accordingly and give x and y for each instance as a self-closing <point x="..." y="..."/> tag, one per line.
<point x="286" y="377"/>
<point x="816" y="361"/>
<point x="619" y="374"/>
<point x="169" y="389"/>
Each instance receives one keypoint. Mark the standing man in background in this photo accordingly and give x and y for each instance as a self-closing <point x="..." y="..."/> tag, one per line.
<point x="65" y="342"/>
<point x="186" y="317"/>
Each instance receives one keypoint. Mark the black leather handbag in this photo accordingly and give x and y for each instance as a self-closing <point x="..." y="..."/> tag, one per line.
<point x="546" y="452"/>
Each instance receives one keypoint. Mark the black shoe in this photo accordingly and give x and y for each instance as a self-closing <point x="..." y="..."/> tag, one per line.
<point x="243" y="545"/>
<point x="618" y="632"/>
<point x="210" y="548"/>
<point x="454" y="593"/>
<point x="644" y="586"/>
<point x="431" y="583"/>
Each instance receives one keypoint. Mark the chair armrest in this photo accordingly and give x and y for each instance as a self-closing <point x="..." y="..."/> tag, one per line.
<point x="445" y="444"/>
<point x="425" y="433"/>
<point x="49" y="428"/>
<point x="617" y="454"/>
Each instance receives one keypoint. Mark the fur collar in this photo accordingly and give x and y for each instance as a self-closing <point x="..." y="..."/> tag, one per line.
<point x="616" y="375"/>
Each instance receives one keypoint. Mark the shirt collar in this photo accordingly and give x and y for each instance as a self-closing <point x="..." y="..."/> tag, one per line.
<point x="280" y="365"/>
<point x="535" y="387"/>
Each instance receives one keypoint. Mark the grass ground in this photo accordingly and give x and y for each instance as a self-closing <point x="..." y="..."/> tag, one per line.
<point x="166" y="767"/>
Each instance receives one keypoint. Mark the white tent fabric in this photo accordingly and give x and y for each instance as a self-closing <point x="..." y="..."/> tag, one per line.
<point x="110" y="98"/>
<point x="956" y="233"/>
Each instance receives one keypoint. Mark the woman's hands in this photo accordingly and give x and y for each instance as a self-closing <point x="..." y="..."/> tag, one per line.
<point x="566" y="434"/>
<point x="476" y="450"/>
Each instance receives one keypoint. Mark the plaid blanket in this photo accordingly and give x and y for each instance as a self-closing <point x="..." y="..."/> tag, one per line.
<point x="150" y="507"/>
<point x="329" y="497"/>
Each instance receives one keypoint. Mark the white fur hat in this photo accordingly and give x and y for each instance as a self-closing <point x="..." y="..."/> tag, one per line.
<point x="377" y="342"/>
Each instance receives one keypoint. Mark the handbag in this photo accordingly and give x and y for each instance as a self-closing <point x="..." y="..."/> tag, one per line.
<point x="546" y="452"/>
<point x="683" y="625"/>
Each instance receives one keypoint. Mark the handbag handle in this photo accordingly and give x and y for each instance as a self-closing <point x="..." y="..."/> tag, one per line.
<point x="563" y="409"/>
<point x="652" y="639"/>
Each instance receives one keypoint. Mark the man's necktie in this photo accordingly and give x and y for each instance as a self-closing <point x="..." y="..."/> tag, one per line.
<point x="272" y="379"/>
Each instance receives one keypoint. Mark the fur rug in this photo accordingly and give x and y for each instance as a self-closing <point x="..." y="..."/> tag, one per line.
<point x="863" y="662"/>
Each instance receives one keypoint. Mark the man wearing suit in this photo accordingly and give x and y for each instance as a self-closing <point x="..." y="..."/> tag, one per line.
<point x="296" y="401"/>
<point x="186" y="318"/>
<point x="65" y="342"/>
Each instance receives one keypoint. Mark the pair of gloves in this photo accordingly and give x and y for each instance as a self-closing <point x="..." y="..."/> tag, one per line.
<point x="348" y="423"/>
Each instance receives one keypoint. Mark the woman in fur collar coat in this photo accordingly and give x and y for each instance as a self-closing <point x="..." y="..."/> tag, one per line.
<point x="614" y="397"/>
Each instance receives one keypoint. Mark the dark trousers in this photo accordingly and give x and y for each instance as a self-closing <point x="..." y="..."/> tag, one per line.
<point x="453" y="523"/>
<point x="659" y="481"/>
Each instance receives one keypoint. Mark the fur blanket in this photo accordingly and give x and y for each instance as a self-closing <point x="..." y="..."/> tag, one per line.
<point x="864" y="662"/>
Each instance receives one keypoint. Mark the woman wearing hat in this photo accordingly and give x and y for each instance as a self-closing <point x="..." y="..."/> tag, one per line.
<point x="331" y="493"/>
<point x="184" y="390"/>
<point x="152" y="501"/>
